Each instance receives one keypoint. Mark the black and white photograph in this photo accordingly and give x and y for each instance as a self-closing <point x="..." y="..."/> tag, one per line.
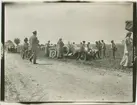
<point x="69" y="52"/>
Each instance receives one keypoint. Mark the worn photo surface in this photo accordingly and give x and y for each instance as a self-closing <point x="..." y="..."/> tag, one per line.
<point x="68" y="52"/>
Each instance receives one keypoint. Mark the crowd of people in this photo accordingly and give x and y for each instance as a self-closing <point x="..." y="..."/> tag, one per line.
<point x="100" y="46"/>
<point x="30" y="49"/>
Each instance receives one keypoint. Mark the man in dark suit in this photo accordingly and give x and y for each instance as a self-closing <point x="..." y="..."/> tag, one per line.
<point x="33" y="47"/>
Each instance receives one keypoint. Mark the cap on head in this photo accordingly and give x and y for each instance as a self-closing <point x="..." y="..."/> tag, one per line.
<point x="34" y="32"/>
<point x="26" y="39"/>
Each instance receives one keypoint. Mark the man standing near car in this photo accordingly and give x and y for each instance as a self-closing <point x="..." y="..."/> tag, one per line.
<point x="60" y="45"/>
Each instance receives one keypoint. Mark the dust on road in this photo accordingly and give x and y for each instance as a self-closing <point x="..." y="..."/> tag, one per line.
<point x="52" y="80"/>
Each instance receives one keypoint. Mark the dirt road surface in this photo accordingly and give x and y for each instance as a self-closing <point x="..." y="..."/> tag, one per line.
<point x="53" y="80"/>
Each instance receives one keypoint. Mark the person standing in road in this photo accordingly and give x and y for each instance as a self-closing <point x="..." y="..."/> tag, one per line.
<point x="103" y="48"/>
<point x="33" y="47"/>
<point x="114" y="49"/>
<point x="60" y="45"/>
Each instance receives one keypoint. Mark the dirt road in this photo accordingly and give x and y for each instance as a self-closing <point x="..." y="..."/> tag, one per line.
<point x="53" y="80"/>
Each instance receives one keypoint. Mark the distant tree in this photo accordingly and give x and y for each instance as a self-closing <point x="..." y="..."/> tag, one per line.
<point x="17" y="41"/>
<point x="9" y="41"/>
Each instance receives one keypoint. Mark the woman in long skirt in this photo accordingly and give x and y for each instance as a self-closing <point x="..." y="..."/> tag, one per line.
<point x="128" y="52"/>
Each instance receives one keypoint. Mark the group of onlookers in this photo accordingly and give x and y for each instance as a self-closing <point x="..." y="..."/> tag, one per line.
<point x="30" y="49"/>
<point x="100" y="46"/>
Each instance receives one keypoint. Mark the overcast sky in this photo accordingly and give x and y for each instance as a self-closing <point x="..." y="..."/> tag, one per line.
<point x="72" y="22"/>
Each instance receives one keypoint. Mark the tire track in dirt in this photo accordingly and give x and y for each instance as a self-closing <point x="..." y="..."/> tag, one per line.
<point x="65" y="81"/>
<point x="20" y="87"/>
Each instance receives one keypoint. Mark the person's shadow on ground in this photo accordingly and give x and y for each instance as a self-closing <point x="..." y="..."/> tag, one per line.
<point x="44" y="64"/>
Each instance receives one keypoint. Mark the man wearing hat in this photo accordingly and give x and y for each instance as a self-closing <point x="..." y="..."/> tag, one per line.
<point x="33" y="46"/>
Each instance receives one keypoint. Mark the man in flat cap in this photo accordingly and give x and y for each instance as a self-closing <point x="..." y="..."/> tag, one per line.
<point x="33" y="46"/>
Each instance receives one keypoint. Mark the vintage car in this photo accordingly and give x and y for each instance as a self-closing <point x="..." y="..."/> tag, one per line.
<point x="10" y="46"/>
<point x="72" y="50"/>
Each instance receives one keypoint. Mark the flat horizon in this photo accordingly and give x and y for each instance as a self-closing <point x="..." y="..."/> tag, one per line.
<point x="75" y="22"/>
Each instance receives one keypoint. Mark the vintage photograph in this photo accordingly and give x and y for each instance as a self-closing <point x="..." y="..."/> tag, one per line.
<point x="69" y="52"/>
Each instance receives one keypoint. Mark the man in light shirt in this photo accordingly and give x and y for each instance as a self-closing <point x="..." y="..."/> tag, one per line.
<point x="114" y="49"/>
